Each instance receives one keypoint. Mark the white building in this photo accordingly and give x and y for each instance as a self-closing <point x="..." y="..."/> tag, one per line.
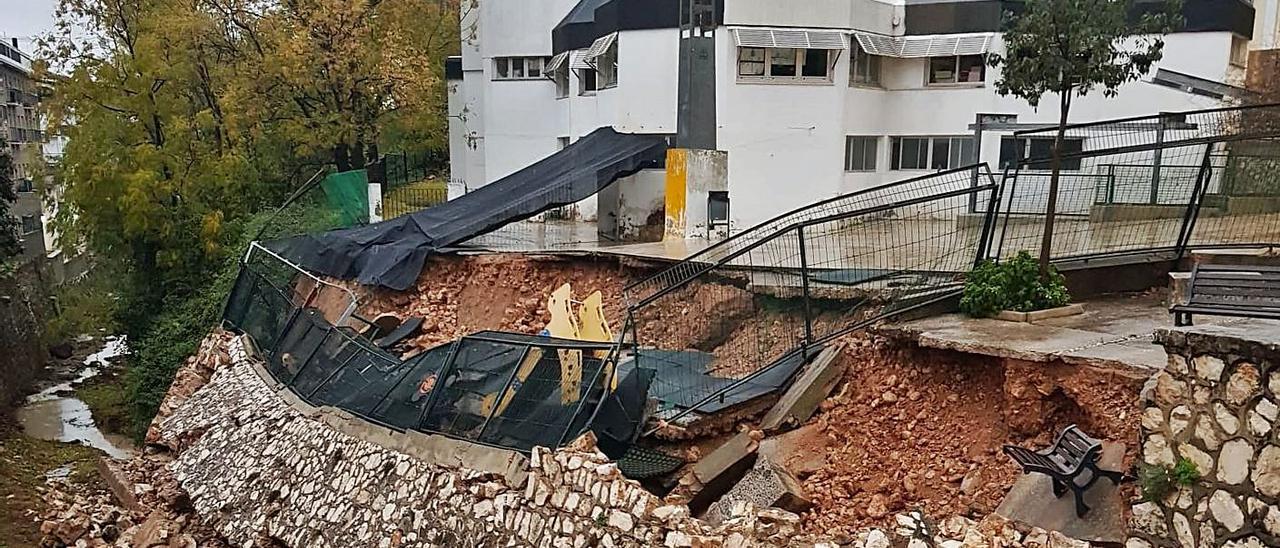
<point x="812" y="98"/>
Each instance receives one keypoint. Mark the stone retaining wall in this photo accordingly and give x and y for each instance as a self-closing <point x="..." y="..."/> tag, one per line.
<point x="263" y="472"/>
<point x="1215" y="404"/>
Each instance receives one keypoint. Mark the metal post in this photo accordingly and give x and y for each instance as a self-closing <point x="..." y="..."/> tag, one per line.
<point x="497" y="400"/>
<point x="439" y="386"/>
<point x="1159" y="153"/>
<point x="1196" y="201"/>
<point x="804" y="277"/>
<point x="1008" y="208"/>
<point x="988" y="221"/>
<point x="1111" y="184"/>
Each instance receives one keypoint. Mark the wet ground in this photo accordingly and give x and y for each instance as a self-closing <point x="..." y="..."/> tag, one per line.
<point x="55" y="414"/>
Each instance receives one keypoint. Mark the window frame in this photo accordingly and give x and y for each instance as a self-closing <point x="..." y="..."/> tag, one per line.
<point x="870" y="163"/>
<point x="1239" y="45"/>
<point x="798" y="56"/>
<point x="35" y="224"/>
<point x="583" y="91"/>
<point x="1070" y="164"/>
<point x="955" y="71"/>
<point x="955" y="145"/>
<point x="609" y="59"/>
<point x="562" y="81"/>
<point x="874" y="64"/>
<point x="524" y="62"/>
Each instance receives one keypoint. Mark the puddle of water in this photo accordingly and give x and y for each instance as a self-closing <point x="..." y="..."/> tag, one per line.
<point x="50" y="415"/>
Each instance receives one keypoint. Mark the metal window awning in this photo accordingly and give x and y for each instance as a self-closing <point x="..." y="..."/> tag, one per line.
<point x="578" y="61"/>
<point x="789" y="38"/>
<point x="910" y="47"/>
<point x="599" y="47"/>
<point x="556" y="62"/>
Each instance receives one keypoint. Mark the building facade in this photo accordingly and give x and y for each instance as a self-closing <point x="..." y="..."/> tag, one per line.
<point x="22" y="130"/>
<point x="810" y="99"/>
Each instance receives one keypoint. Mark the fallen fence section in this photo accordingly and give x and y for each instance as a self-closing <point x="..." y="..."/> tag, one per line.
<point x="500" y="389"/>
<point x="768" y="299"/>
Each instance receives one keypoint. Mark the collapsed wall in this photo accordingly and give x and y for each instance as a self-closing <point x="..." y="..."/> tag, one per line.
<point x="1214" y="405"/>
<point x="262" y="469"/>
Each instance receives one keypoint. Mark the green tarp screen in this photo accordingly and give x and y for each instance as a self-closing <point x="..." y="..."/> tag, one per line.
<point x="348" y="193"/>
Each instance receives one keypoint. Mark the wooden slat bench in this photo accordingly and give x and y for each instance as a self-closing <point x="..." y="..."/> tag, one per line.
<point x="1066" y="462"/>
<point x="1230" y="290"/>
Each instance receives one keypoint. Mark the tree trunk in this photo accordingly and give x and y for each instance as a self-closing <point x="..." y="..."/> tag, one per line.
<point x="1055" y="166"/>
<point x="342" y="157"/>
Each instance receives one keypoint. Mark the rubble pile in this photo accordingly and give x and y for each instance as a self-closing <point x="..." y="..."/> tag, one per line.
<point x="142" y="507"/>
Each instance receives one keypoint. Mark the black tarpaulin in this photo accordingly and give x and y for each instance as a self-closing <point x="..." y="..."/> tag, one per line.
<point x="391" y="253"/>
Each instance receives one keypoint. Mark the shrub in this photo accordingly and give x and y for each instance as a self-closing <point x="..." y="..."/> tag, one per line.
<point x="1158" y="482"/>
<point x="1014" y="284"/>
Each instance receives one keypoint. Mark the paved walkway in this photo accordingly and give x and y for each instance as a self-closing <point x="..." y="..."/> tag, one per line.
<point x="1114" y="331"/>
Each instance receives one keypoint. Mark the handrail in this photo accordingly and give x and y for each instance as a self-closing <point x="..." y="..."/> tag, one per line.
<point x="771" y="230"/>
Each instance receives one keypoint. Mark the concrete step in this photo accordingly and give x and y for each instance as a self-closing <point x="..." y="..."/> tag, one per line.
<point x="1261" y="256"/>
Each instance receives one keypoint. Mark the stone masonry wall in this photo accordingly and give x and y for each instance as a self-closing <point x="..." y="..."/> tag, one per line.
<point x="1215" y="404"/>
<point x="264" y="473"/>
<point x="264" y="470"/>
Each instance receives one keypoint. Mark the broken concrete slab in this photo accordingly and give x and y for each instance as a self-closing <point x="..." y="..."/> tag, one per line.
<point x="801" y="452"/>
<point x="713" y="476"/>
<point x="806" y="393"/>
<point x="1031" y="502"/>
<point x="766" y="485"/>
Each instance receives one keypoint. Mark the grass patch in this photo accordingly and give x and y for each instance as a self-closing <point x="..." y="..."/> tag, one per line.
<point x="105" y="396"/>
<point x="24" y="461"/>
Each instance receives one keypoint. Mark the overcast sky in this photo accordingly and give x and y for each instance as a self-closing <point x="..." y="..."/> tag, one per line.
<point x="24" y="19"/>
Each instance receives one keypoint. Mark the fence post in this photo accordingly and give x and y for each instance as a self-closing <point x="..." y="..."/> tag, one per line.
<point x="1195" y="202"/>
<point x="804" y="282"/>
<point x="988" y="220"/>
<point x="1157" y="157"/>
<point x="1008" y="206"/>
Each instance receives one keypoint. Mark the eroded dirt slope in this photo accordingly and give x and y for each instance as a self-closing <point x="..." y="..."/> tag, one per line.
<point x="913" y="428"/>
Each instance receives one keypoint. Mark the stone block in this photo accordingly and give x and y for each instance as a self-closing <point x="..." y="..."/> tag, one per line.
<point x="765" y="485"/>
<point x="720" y="470"/>
<point x="806" y="393"/>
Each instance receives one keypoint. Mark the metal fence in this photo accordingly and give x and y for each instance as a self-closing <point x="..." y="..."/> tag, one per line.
<point x="737" y="320"/>
<point x="411" y="183"/>
<point x="500" y="389"/>
<point x="1163" y="183"/>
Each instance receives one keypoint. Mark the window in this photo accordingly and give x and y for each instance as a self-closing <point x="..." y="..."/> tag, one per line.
<point x="30" y="224"/>
<point x="517" y="68"/>
<point x="607" y="67"/>
<point x="860" y="153"/>
<point x="1239" y="51"/>
<point x="1015" y="149"/>
<point x="24" y="185"/>
<point x="561" y="78"/>
<point x="939" y="153"/>
<point x="785" y="64"/>
<point x="586" y="81"/>
<point x="864" y="68"/>
<point x="958" y="69"/>
<point x="562" y="142"/>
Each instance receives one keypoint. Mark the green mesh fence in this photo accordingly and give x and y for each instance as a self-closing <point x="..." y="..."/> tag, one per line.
<point x="348" y="193"/>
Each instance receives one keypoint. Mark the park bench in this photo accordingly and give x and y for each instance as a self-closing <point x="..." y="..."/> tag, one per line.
<point x="1230" y="290"/>
<point x="1072" y="455"/>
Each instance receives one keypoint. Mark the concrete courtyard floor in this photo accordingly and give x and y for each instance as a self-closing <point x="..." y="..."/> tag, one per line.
<point x="1114" y="331"/>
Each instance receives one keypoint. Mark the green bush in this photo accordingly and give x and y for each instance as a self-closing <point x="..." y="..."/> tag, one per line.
<point x="1158" y="482"/>
<point x="1014" y="284"/>
<point x="174" y="331"/>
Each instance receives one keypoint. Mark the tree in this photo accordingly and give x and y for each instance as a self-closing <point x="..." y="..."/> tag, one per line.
<point x="10" y="246"/>
<point x="1071" y="47"/>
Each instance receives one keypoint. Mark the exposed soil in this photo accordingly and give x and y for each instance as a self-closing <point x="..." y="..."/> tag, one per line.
<point x="913" y="428"/>
<point x="460" y="295"/>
